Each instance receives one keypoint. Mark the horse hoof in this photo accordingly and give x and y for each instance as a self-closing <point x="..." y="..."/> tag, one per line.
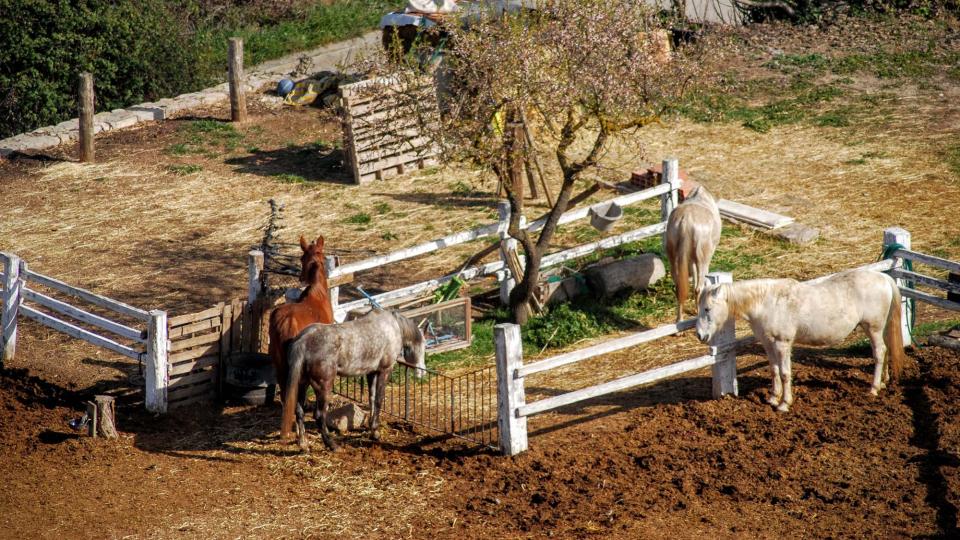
<point x="375" y="435"/>
<point x="773" y="400"/>
<point x="332" y="446"/>
<point x="783" y="407"/>
<point x="875" y="391"/>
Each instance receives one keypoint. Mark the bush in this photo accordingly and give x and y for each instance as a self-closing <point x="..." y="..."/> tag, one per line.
<point x="143" y="50"/>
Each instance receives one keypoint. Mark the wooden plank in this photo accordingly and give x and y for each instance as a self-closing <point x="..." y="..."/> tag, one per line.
<point x="192" y="365"/>
<point x="404" y="159"/>
<point x="181" y="320"/>
<point x="79" y="333"/>
<point x="199" y="398"/>
<point x="188" y="343"/>
<point x="616" y="385"/>
<point x="623" y="200"/>
<point x="122" y="330"/>
<point x="236" y="307"/>
<point x="442" y="306"/>
<point x="397" y="170"/>
<point x="369" y="86"/>
<point x="418" y="146"/>
<point x="363" y="134"/>
<point x="415" y="251"/>
<point x="930" y="299"/>
<point x="191" y="378"/>
<point x="227" y="318"/>
<point x="930" y="260"/>
<point x="392" y="135"/>
<point x="212" y="348"/>
<point x="193" y="328"/>
<point x="925" y="280"/>
<point x="206" y="388"/>
<point x="93" y="298"/>
<point x="751" y="215"/>
<point x="399" y="105"/>
<point x="605" y="347"/>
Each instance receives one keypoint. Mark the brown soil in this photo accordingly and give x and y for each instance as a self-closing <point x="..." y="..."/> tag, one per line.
<point x="662" y="462"/>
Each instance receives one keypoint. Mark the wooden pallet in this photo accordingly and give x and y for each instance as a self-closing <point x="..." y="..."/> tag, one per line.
<point x="385" y="126"/>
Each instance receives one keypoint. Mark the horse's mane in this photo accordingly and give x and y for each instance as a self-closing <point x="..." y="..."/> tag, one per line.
<point x="409" y="330"/>
<point x="743" y="295"/>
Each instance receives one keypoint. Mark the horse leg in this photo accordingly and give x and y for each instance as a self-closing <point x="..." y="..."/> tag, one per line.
<point x="320" y="413"/>
<point x="377" y="404"/>
<point x="372" y="388"/>
<point x="881" y="370"/>
<point x="301" y="403"/>
<point x="786" y="373"/>
<point x="776" y="388"/>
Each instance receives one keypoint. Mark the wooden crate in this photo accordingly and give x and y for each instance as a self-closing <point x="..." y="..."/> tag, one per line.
<point x="385" y="126"/>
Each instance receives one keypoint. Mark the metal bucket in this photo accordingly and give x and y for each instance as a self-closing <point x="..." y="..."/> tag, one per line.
<point x="603" y="216"/>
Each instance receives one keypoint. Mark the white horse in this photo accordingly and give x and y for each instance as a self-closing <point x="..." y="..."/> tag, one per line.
<point x="693" y="233"/>
<point x="782" y="312"/>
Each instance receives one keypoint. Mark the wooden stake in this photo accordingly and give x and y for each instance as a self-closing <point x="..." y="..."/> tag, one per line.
<point x="102" y="415"/>
<point x="86" y="117"/>
<point x="238" y="99"/>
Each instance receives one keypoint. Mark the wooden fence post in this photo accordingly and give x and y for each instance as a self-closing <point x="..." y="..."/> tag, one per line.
<point x="11" y="298"/>
<point x="897" y="235"/>
<point x="87" y="109"/>
<point x="669" y="200"/>
<point x="156" y="371"/>
<point x="510" y="391"/>
<point x="238" y="97"/>
<point x="329" y="263"/>
<point x="255" y="261"/>
<point x="725" y="368"/>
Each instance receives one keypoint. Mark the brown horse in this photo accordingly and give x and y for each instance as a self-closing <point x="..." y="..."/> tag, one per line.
<point x="288" y="320"/>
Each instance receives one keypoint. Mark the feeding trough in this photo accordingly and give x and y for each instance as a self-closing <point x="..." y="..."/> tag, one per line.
<point x="603" y="216"/>
<point x="250" y="378"/>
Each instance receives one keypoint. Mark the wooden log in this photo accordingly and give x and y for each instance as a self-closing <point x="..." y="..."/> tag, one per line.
<point x="617" y="385"/>
<point x="102" y="414"/>
<point x="86" y="102"/>
<point x="96" y="299"/>
<point x="79" y="333"/>
<point x="510" y="389"/>
<point x="238" y="97"/>
<point x="11" y="299"/>
<point x="635" y="273"/>
<point x="121" y="330"/>
<point x="605" y="347"/>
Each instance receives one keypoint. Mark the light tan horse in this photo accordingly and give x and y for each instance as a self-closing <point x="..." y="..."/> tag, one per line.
<point x="693" y="233"/>
<point x="782" y="312"/>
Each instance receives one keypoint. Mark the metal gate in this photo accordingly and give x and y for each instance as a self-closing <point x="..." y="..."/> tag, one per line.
<point x="462" y="406"/>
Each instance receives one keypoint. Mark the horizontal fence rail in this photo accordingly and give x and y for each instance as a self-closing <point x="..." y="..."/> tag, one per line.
<point x="93" y="298"/>
<point x="927" y="259"/>
<point x="139" y="336"/>
<point x="79" y="333"/>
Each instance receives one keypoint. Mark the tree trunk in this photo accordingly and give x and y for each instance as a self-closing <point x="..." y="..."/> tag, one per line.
<point x="102" y="417"/>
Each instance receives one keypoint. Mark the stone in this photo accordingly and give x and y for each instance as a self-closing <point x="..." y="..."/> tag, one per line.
<point x="123" y="119"/>
<point x="349" y="417"/>
<point x="635" y="273"/>
<point x="147" y="112"/>
<point x="796" y="233"/>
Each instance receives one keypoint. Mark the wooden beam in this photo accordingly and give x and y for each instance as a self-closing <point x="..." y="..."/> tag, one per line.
<point x="930" y="299"/>
<point x="930" y="260"/>
<point x="11" y="299"/>
<point x="925" y="280"/>
<point x="616" y="385"/>
<point x="156" y="368"/>
<point x="623" y="200"/>
<point x="79" y="333"/>
<point x="605" y="347"/>
<point x="181" y="320"/>
<point x="238" y="96"/>
<point x="510" y="390"/>
<point x="121" y="330"/>
<point x="93" y="298"/>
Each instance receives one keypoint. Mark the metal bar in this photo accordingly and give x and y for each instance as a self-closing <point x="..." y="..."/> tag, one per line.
<point x="79" y="333"/>
<point x="140" y="336"/>
<point x="604" y="348"/>
<point x="93" y="298"/>
<point x="616" y="385"/>
<point x="927" y="259"/>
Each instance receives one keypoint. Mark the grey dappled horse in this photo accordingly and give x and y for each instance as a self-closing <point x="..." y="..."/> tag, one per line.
<point x="369" y="346"/>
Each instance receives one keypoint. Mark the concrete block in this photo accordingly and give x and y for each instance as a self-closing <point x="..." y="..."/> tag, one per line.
<point x="796" y="233"/>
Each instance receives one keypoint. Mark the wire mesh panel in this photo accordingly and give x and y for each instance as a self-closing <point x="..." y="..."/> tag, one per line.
<point x="464" y="406"/>
<point x="446" y="325"/>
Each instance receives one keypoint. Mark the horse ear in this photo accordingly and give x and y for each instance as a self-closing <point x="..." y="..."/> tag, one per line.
<point x="319" y="243"/>
<point x="303" y="243"/>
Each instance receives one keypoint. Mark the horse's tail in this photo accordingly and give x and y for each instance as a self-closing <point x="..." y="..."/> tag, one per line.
<point x="295" y="360"/>
<point x="893" y="335"/>
<point x="680" y="266"/>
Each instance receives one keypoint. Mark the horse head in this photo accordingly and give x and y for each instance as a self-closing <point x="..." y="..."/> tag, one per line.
<point x="311" y="261"/>
<point x="414" y="345"/>
<point x="712" y="311"/>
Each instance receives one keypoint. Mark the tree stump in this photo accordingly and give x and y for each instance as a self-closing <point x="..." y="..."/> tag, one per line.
<point x="102" y="415"/>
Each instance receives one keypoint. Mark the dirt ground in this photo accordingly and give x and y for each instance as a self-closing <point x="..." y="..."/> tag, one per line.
<point x="164" y="220"/>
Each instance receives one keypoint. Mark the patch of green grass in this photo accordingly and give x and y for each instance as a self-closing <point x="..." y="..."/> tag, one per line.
<point x="835" y="118"/>
<point x="382" y="208"/>
<point x="183" y="170"/>
<point x="289" y="178"/>
<point x="205" y="133"/>
<point x="387" y="235"/>
<point x="361" y="218"/>
<point x="253" y="149"/>
<point x="927" y="329"/>
<point x="761" y="118"/>
<point x="182" y="149"/>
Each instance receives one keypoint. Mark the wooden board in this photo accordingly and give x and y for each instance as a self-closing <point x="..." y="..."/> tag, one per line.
<point x="188" y="366"/>
<point x="181" y="320"/>
<point x="193" y="328"/>
<point x="753" y="216"/>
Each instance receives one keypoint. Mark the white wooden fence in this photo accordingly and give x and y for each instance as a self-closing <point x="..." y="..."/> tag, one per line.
<point x="668" y="192"/>
<point x="513" y="410"/>
<point x="145" y="342"/>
